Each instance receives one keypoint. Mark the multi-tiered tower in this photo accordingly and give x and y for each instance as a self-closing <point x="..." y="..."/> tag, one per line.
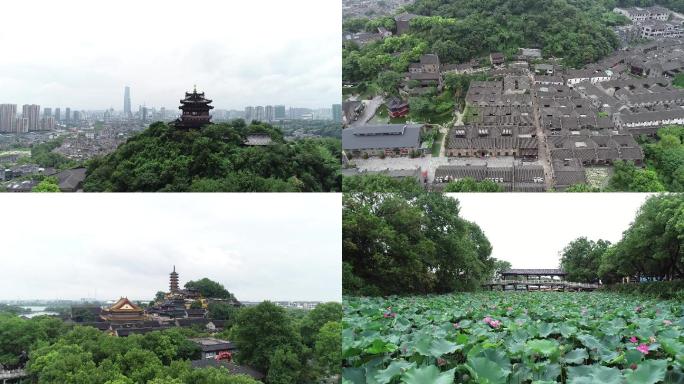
<point x="195" y="111"/>
<point x="173" y="281"/>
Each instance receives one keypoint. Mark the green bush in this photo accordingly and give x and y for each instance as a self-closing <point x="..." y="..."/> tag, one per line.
<point x="658" y="289"/>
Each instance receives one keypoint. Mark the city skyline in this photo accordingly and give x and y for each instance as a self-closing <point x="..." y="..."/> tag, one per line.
<point x="233" y="62"/>
<point x="260" y="247"/>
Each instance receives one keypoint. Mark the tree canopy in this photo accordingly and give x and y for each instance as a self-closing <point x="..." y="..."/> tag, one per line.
<point x="379" y="183"/>
<point x="581" y="259"/>
<point x="209" y="289"/>
<point x="410" y="243"/>
<point x="651" y="248"/>
<point x="213" y="159"/>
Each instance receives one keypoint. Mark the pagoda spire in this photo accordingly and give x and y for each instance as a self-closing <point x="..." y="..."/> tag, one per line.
<point x="173" y="281"/>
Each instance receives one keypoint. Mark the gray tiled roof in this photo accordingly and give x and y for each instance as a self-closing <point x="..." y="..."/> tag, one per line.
<point x="381" y="136"/>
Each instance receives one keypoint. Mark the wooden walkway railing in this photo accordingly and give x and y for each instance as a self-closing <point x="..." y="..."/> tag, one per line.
<point x="542" y="284"/>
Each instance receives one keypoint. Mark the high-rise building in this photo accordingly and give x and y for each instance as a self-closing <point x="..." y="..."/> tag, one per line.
<point x="259" y="113"/>
<point x="279" y="112"/>
<point x="249" y="114"/>
<point x="76" y="116"/>
<point x="32" y="113"/>
<point x="337" y="113"/>
<point x="67" y="115"/>
<point x="48" y="123"/>
<point x="127" y="102"/>
<point x="269" y="113"/>
<point x="57" y="114"/>
<point x="144" y="114"/>
<point x="21" y="125"/>
<point x="8" y="114"/>
<point x="47" y="112"/>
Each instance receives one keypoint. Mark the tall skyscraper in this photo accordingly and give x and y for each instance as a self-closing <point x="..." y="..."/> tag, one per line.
<point x="21" y="125"/>
<point x="76" y="116"/>
<point x="249" y="114"/>
<point x="127" y="102"/>
<point x="259" y="113"/>
<point x="47" y="112"/>
<point x="279" y="112"/>
<point x="270" y="116"/>
<point x="337" y="113"/>
<point x="48" y="123"/>
<point x="8" y="114"/>
<point x="32" y="113"/>
<point x="67" y="115"/>
<point x="57" y="114"/>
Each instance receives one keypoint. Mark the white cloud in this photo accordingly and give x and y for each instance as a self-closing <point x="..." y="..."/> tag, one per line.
<point x="260" y="246"/>
<point x="530" y="230"/>
<point x="81" y="53"/>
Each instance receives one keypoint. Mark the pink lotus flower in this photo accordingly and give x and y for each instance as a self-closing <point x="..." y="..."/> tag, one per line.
<point x="633" y="339"/>
<point x="441" y="362"/>
<point x="492" y="323"/>
<point x="457" y="325"/>
<point x="643" y="348"/>
<point x="638" y="309"/>
<point x="387" y="315"/>
<point x="667" y="322"/>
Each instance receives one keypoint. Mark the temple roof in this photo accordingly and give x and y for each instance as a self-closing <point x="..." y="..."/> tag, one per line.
<point x="195" y="97"/>
<point x="124" y="305"/>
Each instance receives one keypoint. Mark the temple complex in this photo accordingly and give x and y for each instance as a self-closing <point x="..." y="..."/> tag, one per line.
<point x="123" y="311"/>
<point x="195" y="109"/>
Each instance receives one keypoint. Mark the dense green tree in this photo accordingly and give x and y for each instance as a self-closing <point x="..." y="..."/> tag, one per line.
<point x="285" y="367"/>
<point x="380" y="183"/>
<point x="410" y="243"/>
<point x="628" y="178"/>
<point x="316" y="318"/>
<point x="469" y="184"/>
<point x="389" y="81"/>
<point x="666" y="157"/>
<point x="214" y="158"/>
<point x="581" y="259"/>
<point x="17" y="335"/>
<point x="48" y="184"/>
<point x="328" y="349"/>
<point x="259" y="331"/>
<point x="499" y="267"/>
<point x="582" y="188"/>
<point x="209" y="289"/>
<point x="222" y="311"/>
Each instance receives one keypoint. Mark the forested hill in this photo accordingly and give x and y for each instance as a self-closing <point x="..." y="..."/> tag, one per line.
<point x="576" y="30"/>
<point x="214" y="159"/>
<point x="459" y="30"/>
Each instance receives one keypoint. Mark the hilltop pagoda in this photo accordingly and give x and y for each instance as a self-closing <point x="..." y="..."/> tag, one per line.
<point x="195" y="109"/>
<point x="173" y="281"/>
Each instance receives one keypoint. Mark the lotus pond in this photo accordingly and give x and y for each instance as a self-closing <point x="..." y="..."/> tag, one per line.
<point x="507" y="337"/>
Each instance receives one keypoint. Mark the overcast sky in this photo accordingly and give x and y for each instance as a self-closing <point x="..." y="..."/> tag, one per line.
<point x="531" y="229"/>
<point x="82" y="53"/>
<point x="259" y="246"/>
